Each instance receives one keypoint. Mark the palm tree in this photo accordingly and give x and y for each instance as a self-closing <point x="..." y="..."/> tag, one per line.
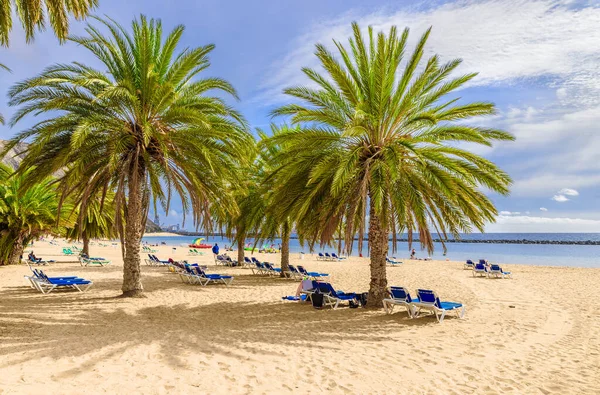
<point x="381" y="149"/>
<point x="146" y="128"/>
<point x="97" y="220"/>
<point x="25" y="213"/>
<point x="32" y="15"/>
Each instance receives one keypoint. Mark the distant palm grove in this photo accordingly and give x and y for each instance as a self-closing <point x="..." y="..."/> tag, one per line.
<point x="372" y="146"/>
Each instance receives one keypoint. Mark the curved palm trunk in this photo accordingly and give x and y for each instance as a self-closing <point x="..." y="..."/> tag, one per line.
<point x="240" y="248"/>
<point x="285" y="250"/>
<point x="86" y="244"/>
<point x="17" y="251"/>
<point x="132" y="284"/>
<point x="378" y="245"/>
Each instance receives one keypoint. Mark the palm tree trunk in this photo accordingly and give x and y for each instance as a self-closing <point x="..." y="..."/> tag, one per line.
<point x="132" y="284"/>
<point x="86" y="244"/>
<point x="378" y="246"/>
<point x="17" y="251"/>
<point x="285" y="249"/>
<point x="240" y="247"/>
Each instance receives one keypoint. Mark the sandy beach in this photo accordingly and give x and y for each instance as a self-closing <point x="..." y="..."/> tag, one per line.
<point x="538" y="333"/>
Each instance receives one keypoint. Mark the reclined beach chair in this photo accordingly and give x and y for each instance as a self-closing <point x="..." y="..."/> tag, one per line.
<point x="313" y="275"/>
<point x="85" y="260"/>
<point x="293" y="273"/>
<point x="332" y="297"/>
<point x="275" y="271"/>
<point x="428" y="300"/>
<point x="469" y="264"/>
<point x="320" y="257"/>
<point x="480" y="270"/>
<point x="392" y="261"/>
<point x="205" y="279"/>
<point x="248" y="263"/>
<point x="339" y="258"/>
<point x="46" y="284"/>
<point x="399" y="297"/>
<point x="496" y="271"/>
<point x="67" y="251"/>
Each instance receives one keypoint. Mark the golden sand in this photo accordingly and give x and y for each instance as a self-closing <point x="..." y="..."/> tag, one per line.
<point x="538" y="333"/>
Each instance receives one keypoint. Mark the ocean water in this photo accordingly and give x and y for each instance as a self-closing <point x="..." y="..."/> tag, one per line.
<point x="528" y="254"/>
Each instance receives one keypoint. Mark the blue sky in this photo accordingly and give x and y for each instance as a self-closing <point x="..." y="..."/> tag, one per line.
<point x="539" y="61"/>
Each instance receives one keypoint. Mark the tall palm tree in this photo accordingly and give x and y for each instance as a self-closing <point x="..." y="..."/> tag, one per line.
<point x="25" y="212"/>
<point x="381" y="149"/>
<point x="146" y="128"/>
<point x="33" y="13"/>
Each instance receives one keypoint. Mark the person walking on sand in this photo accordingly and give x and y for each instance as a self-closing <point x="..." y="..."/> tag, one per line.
<point x="413" y="254"/>
<point x="215" y="251"/>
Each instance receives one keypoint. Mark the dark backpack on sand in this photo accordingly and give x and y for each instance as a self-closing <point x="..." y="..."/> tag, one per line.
<point x="362" y="299"/>
<point x="317" y="299"/>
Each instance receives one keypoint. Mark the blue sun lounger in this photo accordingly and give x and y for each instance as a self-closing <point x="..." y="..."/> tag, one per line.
<point x="45" y="284"/>
<point x="313" y="275"/>
<point x="204" y="279"/>
<point x="272" y="269"/>
<point x="332" y="297"/>
<point x="339" y="258"/>
<point x="428" y="300"/>
<point x="392" y="262"/>
<point x="293" y="272"/>
<point x="480" y="270"/>
<point x="399" y="297"/>
<point x="469" y="264"/>
<point x="496" y="271"/>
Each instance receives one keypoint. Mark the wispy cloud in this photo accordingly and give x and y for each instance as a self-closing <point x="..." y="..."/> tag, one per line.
<point x="543" y="209"/>
<point x="527" y="223"/>
<point x="568" y="192"/>
<point x="560" y="198"/>
<point x="503" y="40"/>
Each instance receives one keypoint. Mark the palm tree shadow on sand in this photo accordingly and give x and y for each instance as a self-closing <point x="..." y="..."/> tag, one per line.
<point x="73" y="325"/>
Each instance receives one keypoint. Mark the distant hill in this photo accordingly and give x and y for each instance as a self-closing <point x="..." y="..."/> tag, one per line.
<point x="15" y="155"/>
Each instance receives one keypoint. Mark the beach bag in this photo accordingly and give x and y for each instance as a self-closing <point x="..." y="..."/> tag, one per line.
<point x="353" y="304"/>
<point x="317" y="299"/>
<point x="362" y="299"/>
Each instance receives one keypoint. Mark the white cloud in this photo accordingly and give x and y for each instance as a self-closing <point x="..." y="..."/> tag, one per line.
<point x="543" y="209"/>
<point x="560" y="198"/>
<point x="510" y="213"/>
<point x="551" y="179"/>
<point x="568" y="192"/>
<point x="503" y="40"/>
<point x="542" y="224"/>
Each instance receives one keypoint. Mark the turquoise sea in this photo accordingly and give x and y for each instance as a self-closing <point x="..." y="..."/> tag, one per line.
<point x="529" y="254"/>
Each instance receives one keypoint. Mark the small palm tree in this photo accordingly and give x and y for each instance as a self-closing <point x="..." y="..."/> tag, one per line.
<point x="97" y="220"/>
<point x="32" y="15"/>
<point x="146" y="128"/>
<point x="379" y="150"/>
<point x="25" y="213"/>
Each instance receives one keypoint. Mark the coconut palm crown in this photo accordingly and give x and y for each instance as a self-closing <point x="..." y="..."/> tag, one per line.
<point x="381" y="149"/>
<point x="143" y="126"/>
<point x="34" y="14"/>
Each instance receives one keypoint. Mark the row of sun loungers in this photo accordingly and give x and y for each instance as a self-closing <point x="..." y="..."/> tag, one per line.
<point x="483" y="269"/>
<point x="148" y="250"/>
<point x="195" y="252"/>
<point x="41" y="282"/>
<point x="426" y="300"/>
<point x="328" y="257"/>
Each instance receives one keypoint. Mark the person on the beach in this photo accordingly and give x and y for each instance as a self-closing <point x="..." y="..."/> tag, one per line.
<point x="215" y="249"/>
<point x="413" y="254"/>
<point x="33" y="258"/>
